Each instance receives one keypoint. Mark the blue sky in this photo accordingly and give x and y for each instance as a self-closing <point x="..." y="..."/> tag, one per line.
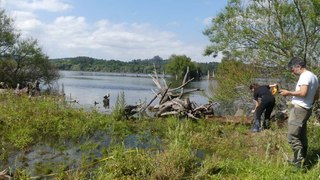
<point x="116" y="29"/>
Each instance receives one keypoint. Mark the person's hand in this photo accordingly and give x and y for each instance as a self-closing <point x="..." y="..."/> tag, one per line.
<point x="284" y="92"/>
<point x="252" y="111"/>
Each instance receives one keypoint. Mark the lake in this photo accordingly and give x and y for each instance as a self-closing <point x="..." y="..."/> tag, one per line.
<point x="90" y="87"/>
<point x="86" y="88"/>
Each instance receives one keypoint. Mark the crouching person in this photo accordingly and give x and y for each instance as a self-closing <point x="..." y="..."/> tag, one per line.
<point x="264" y="102"/>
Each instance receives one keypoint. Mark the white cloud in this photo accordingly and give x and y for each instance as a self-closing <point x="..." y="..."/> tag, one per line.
<point x="47" y="5"/>
<point x="69" y="36"/>
<point x="73" y="36"/>
<point x="25" y="20"/>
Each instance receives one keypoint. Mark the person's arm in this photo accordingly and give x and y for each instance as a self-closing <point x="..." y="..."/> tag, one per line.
<point x="302" y="92"/>
<point x="272" y="85"/>
<point x="256" y="106"/>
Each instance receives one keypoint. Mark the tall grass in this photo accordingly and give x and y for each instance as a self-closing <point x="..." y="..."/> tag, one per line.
<point x="173" y="148"/>
<point x="210" y="150"/>
<point x="27" y="121"/>
<point x="118" y="112"/>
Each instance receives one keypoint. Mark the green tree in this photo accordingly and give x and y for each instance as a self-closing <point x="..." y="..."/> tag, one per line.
<point x="234" y="78"/>
<point x="267" y="33"/>
<point x="22" y="60"/>
<point x="178" y="64"/>
<point x="8" y="35"/>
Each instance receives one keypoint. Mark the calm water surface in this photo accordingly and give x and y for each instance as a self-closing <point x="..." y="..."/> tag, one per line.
<point x="90" y="87"/>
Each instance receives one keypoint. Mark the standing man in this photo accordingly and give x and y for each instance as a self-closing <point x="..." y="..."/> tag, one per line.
<point x="303" y="97"/>
<point x="106" y="101"/>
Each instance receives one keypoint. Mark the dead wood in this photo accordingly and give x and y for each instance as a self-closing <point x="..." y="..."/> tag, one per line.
<point x="173" y="102"/>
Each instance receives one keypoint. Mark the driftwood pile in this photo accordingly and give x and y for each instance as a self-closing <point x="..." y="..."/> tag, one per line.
<point x="175" y="101"/>
<point x="30" y="88"/>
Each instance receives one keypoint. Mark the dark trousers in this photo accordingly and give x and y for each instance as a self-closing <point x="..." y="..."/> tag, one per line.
<point x="266" y="105"/>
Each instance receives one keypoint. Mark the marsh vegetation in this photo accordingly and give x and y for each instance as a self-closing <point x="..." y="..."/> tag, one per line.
<point x="45" y="138"/>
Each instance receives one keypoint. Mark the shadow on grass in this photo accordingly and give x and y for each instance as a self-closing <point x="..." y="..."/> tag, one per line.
<point x="313" y="158"/>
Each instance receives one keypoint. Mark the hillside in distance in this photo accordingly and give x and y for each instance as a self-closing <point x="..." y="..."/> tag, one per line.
<point x="145" y="66"/>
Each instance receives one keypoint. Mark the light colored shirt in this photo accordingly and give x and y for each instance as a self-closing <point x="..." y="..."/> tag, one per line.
<point x="311" y="80"/>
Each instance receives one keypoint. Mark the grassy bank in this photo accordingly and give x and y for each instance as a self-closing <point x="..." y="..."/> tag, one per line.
<point x="163" y="148"/>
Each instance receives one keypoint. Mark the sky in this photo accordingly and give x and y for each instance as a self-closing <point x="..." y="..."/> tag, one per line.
<point x="117" y="29"/>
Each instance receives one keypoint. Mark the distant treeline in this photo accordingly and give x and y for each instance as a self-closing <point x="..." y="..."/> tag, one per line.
<point x="145" y="66"/>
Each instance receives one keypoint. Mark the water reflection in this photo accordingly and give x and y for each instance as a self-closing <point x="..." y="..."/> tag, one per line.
<point x="90" y="87"/>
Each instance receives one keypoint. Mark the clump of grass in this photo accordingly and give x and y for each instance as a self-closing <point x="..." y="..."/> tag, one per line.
<point x="118" y="112"/>
<point x="176" y="162"/>
<point x="27" y="121"/>
<point x="125" y="163"/>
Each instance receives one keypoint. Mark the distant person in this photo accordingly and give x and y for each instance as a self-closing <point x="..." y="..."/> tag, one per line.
<point x="303" y="97"/>
<point x="34" y="89"/>
<point x="265" y="102"/>
<point x="106" y="101"/>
